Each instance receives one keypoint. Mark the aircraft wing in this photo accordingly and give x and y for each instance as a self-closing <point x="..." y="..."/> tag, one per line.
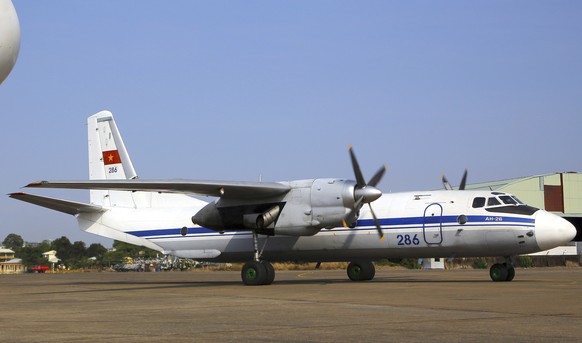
<point x="70" y="207"/>
<point x="223" y="189"/>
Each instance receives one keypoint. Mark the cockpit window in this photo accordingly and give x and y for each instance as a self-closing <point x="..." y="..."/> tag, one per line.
<point x="493" y="202"/>
<point x="478" y="202"/>
<point x="518" y="201"/>
<point x="508" y="200"/>
<point x="506" y="203"/>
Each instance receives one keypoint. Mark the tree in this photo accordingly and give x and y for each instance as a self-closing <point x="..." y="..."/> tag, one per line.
<point x="133" y="250"/>
<point x="33" y="255"/>
<point x="63" y="248"/>
<point x="78" y="250"/>
<point x="13" y="241"/>
<point x="77" y="256"/>
<point x="96" y="250"/>
<point x="122" y="249"/>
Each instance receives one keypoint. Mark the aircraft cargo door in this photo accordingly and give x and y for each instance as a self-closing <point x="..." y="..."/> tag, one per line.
<point x="432" y="224"/>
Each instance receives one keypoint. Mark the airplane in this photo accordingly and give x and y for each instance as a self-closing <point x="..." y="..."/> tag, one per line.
<point x="9" y="38"/>
<point x="315" y="220"/>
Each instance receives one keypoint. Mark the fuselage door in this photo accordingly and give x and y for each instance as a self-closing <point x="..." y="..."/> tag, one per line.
<point x="432" y="225"/>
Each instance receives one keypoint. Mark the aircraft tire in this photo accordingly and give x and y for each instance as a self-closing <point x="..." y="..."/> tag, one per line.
<point x="499" y="272"/>
<point x="270" y="272"/>
<point x="254" y="273"/>
<point x="510" y="273"/>
<point x="361" y="270"/>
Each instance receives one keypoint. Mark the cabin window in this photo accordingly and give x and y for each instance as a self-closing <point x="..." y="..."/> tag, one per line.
<point x="493" y="202"/>
<point x="478" y="202"/>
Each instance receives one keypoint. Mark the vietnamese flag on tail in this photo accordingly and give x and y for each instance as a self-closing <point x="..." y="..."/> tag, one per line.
<point x="111" y="157"/>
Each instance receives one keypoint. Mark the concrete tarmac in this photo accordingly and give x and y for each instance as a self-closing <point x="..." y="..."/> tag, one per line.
<point x="540" y="305"/>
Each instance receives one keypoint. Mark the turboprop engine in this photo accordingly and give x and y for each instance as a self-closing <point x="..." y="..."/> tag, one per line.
<point x="308" y="207"/>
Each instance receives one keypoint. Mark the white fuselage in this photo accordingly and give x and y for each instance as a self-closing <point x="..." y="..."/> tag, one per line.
<point x="415" y="224"/>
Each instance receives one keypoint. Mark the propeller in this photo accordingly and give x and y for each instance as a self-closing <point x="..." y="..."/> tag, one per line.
<point x="364" y="193"/>
<point x="448" y="186"/>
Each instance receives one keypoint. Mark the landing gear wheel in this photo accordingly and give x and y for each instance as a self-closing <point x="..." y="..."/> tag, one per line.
<point x="361" y="270"/>
<point x="499" y="272"/>
<point x="510" y="273"/>
<point x="254" y="273"/>
<point x="270" y="272"/>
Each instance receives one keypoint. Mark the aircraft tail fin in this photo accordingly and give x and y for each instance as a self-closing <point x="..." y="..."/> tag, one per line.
<point x="108" y="160"/>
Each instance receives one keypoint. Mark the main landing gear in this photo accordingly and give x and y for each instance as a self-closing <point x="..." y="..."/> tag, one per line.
<point x="257" y="272"/>
<point x="502" y="271"/>
<point x="361" y="270"/>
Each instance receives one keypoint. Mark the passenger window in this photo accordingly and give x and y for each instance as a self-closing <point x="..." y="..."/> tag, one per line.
<point x="478" y="202"/>
<point x="493" y="202"/>
<point x="508" y="200"/>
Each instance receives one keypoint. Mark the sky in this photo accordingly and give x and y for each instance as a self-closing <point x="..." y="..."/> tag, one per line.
<point x="242" y="90"/>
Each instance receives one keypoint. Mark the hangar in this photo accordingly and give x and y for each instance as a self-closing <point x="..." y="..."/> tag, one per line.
<point x="559" y="193"/>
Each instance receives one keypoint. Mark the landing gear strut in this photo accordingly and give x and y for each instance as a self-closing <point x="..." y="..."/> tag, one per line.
<point x="502" y="271"/>
<point x="257" y="272"/>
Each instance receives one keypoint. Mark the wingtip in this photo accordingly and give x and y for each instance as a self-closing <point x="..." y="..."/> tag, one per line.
<point x="36" y="184"/>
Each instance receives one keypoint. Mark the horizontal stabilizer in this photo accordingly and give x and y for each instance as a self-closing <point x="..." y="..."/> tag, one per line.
<point x="223" y="189"/>
<point x="69" y="207"/>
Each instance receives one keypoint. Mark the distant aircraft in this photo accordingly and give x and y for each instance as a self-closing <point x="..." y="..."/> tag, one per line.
<point x="315" y="220"/>
<point x="9" y="38"/>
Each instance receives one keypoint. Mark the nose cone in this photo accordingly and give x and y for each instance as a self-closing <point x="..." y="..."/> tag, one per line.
<point x="552" y="231"/>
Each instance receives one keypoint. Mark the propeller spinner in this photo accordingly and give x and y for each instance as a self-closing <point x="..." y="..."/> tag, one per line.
<point x="365" y="193"/>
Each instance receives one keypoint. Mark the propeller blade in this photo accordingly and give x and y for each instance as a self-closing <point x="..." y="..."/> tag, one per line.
<point x="377" y="223"/>
<point x="357" y="171"/>
<point x="377" y="177"/>
<point x="463" y="181"/>
<point x="446" y="183"/>
<point x="352" y="215"/>
<point x="364" y="193"/>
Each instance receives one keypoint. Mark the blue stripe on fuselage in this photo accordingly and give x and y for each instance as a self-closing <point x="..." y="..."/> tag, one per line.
<point x="386" y="223"/>
<point x="169" y="232"/>
<point x="444" y="220"/>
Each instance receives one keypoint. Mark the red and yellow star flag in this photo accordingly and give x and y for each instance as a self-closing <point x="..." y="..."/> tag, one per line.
<point x="111" y="157"/>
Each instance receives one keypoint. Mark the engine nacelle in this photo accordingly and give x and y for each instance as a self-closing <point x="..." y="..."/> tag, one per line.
<point x="221" y="216"/>
<point x="310" y="205"/>
<point x="331" y="200"/>
<point x="296" y="231"/>
<point x="261" y="221"/>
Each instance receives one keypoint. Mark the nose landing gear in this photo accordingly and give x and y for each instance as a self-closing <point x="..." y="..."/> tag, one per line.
<point x="502" y="271"/>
